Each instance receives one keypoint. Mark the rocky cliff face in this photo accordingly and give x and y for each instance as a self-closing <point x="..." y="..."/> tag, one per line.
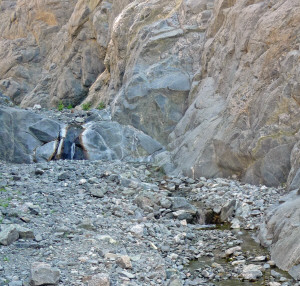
<point x="243" y="115"/>
<point x="217" y="82"/>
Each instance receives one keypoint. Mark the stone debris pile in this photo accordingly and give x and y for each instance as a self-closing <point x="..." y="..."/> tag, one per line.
<point x="115" y="223"/>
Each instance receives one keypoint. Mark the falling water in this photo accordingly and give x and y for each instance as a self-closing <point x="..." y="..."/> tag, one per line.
<point x="73" y="151"/>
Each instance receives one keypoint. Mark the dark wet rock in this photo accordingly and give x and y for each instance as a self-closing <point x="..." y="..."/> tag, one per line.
<point x="72" y="148"/>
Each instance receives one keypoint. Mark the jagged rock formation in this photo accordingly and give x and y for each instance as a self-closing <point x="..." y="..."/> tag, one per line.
<point x="53" y="50"/>
<point x="217" y="82"/>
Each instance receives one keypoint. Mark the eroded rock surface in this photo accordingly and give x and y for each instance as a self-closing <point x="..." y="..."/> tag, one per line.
<point x="216" y="82"/>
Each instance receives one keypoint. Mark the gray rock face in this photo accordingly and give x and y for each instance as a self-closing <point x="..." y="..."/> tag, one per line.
<point x="17" y="143"/>
<point x="45" y="130"/>
<point x="280" y="231"/>
<point x="195" y="78"/>
<point x="237" y="121"/>
<point x="44" y="274"/>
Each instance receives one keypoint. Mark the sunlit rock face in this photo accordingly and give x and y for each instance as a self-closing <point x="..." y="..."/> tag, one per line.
<point x="216" y="82"/>
<point x="243" y="114"/>
<point x="53" y="51"/>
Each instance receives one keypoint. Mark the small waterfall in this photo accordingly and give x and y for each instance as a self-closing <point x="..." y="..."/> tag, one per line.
<point x="73" y="151"/>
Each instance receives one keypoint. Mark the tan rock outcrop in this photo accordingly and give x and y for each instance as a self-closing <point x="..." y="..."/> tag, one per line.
<point x="53" y="50"/>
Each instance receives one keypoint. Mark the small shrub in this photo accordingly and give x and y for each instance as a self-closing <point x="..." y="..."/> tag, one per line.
<point x="101" y="105"/>
<point x="86" y="106"/>
<point x="60" y="106"/>
<point x="70" y="106"/>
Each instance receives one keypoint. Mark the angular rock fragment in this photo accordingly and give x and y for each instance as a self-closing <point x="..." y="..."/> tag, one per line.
<point x="8" y="234"/>
<point x="99" y="280"/>
<point x="46" y="130"/>
<point x="124" y="262"/>
<point x="252" y="272"/>
<point x="43" y="274"/>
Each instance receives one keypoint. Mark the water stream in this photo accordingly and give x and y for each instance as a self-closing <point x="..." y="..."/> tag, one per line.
<point x="250" y="248"/>
<point x="72" y="149"/>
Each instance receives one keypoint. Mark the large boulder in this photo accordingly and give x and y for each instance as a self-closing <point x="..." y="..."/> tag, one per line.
<point x="108" y="140"/>
<point x="45" y="130"/>
<point x="46" y="152"/>
<point x="8" y="234"/>
<point x="16" y="142"/>
<point x="22" y="133"/>
<point x="281" y="231"/>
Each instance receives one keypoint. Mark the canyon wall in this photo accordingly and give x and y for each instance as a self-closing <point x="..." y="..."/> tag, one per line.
<point x="216" y="82"/>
